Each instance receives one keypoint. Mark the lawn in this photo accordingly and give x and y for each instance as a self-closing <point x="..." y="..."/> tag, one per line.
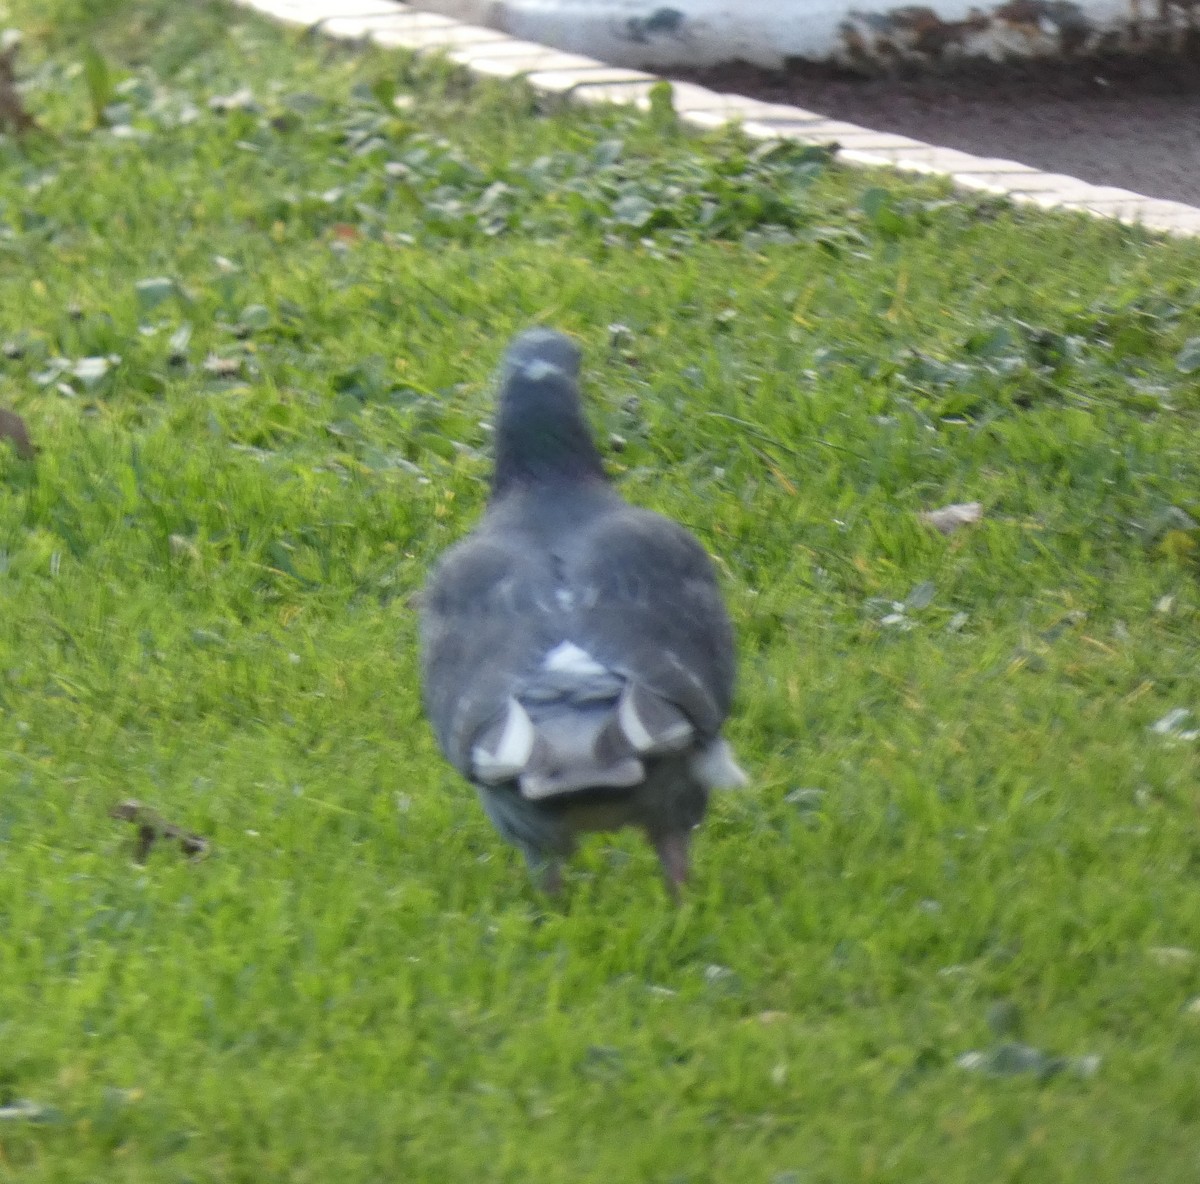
<point x="252" y="290"/>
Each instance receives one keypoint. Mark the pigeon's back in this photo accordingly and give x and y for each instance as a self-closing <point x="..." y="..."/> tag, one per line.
<point x="577" y="658"/>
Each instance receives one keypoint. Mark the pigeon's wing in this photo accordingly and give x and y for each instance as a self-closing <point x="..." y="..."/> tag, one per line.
<point x="654" y="613"/>
<point x="647" y="669"/>
<point x="487" y="614"/>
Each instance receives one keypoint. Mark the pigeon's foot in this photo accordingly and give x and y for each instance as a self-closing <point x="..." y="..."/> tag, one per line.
<point x="552" y="879"/>
<point x="672" y="851"/>
<point x="545" y="873"/>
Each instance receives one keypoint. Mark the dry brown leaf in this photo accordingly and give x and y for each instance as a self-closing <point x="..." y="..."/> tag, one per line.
<point x="12" y="427"/>
<point x="12" y="110"/>
<point x="948" y="519"/>
<point x="152" y="826"/>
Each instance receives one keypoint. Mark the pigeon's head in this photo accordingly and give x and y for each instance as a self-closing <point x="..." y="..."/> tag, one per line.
<point x="538" y="352"/>
<point x="541" y="433"/>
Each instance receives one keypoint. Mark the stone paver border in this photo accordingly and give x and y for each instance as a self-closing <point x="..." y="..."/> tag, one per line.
<point x="583" y="79"/>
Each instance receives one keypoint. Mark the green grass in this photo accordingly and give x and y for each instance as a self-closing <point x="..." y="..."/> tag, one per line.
<point x="205" y="605"/>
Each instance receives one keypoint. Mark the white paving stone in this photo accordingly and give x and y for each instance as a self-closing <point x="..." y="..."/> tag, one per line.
<point x="508" y="47"/>
<point x="686" y="97"/>
<point x="372" y="25"/>
<point x="314" y="11"/>
<point x="517" y="65"/>
<point x="995" y="166"/>
<point x="926" y="158"/>
<point x="569" y="81"/>
<point x="622" y="93"/>
<point x="827" y="131"/>
<point x="434" y="39"/>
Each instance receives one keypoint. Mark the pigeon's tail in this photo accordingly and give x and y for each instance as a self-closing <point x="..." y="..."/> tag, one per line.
<point x="578" y="726"/>
<point x="576" y="749"/>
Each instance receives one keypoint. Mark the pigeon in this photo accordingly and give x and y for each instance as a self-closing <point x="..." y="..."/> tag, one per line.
<point x="577" y="659"/>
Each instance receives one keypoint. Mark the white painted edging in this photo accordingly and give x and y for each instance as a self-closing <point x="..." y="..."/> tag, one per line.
<point x="585" y="79"/>
<point x="672" y="34"/>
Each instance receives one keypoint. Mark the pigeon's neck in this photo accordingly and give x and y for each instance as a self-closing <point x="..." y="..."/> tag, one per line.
<point x="543" y="441"/>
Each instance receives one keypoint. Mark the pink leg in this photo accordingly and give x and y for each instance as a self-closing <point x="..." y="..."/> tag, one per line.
<point x="672" y="851"/>
<point x="552" y="879"/>
<point x="544" y="870"/>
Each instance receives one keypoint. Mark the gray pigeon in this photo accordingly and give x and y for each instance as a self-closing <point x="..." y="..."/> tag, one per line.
<point x="577" y="659"/>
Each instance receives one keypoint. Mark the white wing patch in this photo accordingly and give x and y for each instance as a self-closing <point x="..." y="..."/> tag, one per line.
<point x="715" y="768"/>
<point x="631" y="724"/>
<point x="568" y="658"/>
<point x="651" y="724"/>
<point x="512" y="749"/>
